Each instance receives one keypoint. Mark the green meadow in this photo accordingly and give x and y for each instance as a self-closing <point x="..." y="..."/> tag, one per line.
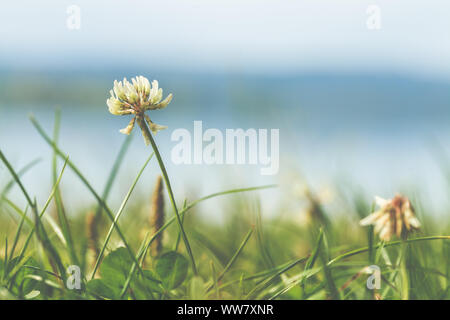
<point x="168" y="251"/>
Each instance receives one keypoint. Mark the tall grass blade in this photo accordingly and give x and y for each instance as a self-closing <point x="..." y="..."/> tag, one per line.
<point x="263" y="248"/>
<point x="85" y="182"/>
<point x="42" y="235"/>
<point x="234" y="257"/>
<point x="172" y="199"/>
<point x="177" y="242"/>
<point x="269" y="280"/>
<point x="62" y="217"/>
<point x="20" y="173"/>
<point x="47" y="203"/>
<point x="312" y="259"/>
<point x="332" y="290"/>
<point x="117" y="216"/>
<point x="18" y="232"/>
<point x="194" y="203"/>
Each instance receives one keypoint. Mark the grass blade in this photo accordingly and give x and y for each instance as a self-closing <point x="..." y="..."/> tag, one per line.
<point x="214" y="278"/>
<point x="101" y="202"/>
<point x="117" y="216"/>
<point x="62" y="217"/>
<point x="266" y="282"/>
<point x="20" y="173"/>
<point x="17" y="236"/>
<point x="234" y="257"/>
<point x="333" y="292"/>
<point x="388" y="244"/>
<point x="194" y="203"/>
<point x="42" y="235"/>
<point x="312" y="259"/>
<point x="177" y="242"/>
<point x="171" y="197"/>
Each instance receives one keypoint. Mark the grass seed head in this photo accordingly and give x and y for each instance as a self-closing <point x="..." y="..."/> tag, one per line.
<point x="92" y="232"/>
<point x="157" y="215"/>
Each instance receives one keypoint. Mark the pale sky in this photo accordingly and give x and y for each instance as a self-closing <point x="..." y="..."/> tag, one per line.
<point x="229" y="35"/>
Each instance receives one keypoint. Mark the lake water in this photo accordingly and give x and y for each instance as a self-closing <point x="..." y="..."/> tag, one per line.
<point x="375" y="132"/>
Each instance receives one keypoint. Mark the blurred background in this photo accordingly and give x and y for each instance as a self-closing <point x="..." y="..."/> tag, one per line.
<point x="359" y="108"/>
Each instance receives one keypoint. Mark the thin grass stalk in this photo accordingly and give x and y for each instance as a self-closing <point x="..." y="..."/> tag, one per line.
<point x="234" y="257"/>
<point x="47" y="203"/>
<point x="62" y="217"/>
<point x="86" y="183"/>
<point x="194" y="203"/>
<point x="177" y="242"/>
<point x="332" y="291"/>
<point x="385" y="244"/>
<point x="172" y="199"/>
<point x="404" y="271"/>
<point x="116" y="219"/>
<point x="107" y="189"/>
<point x="42" y="235"/>
<point x="20" y="173"/>
<point x="141" y="256"/>
<point x="266" y="282"/>
<point x="312" y="259"/>
<point x="5" y="263"/>
<point x="93" y="220"/>
<point x="17" y="236"/>
<point x="215" y="281"/>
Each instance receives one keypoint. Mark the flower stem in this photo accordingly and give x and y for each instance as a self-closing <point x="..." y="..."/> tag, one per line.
<point x="144" y="129"/>
<point x="404" y="271"/>
<point x="393" y="243"/>
<point x="172" y="199"/>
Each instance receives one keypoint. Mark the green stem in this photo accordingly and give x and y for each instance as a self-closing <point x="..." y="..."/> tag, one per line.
<point x="62" y="217"/>
<point x="100" y="200"/>
<point x="117" y="216"/>
<point x="177" y="242"/>
<point x="141" y="255"/>
<point x="404" y="271"/>
<point x="42" y="235"/>
<point x="393" y="243"/>
<point x="169" y="190"/>
<point x="232" y="260"/>
<point x="194" y="203"/>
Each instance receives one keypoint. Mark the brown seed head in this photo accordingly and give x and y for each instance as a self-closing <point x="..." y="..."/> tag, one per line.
<point x="157" y="215"/>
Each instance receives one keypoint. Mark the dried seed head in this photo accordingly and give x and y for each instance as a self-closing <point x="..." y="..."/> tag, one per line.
<point x="394" y="217"/>
<point x="315" y="213"/>
<point x="92" y="232"/>
<point x="157" y="215"/>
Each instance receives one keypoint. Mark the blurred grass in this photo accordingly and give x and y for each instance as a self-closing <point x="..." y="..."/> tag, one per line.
<point x="248" y="256"/>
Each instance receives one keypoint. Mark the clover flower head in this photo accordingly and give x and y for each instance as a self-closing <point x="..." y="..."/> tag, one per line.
<point x="394" y="217"/>
<point x="135" y="98"/>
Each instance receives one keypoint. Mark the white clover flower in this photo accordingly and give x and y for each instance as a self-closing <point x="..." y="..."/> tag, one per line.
<point x="394" y="217"/>
<point x="136" y="97"/>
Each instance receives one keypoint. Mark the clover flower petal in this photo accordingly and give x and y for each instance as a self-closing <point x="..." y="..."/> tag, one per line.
<point x="162" y="104"/>
<point x="127" y="130"/>
<point x="116" y="107"/>
<point x="153" y="126"/>
<point x="136" y="97"/>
